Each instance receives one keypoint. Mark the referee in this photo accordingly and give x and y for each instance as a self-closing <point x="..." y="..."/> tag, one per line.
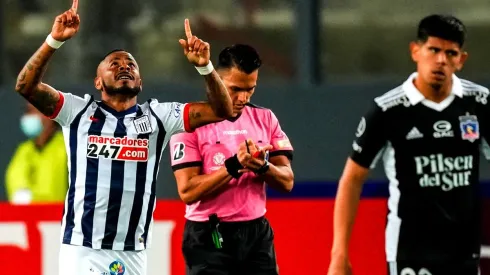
<point x="428" y="132"/>
<point x="221" y="172"/>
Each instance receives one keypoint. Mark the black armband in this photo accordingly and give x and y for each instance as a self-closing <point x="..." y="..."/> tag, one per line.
<point x="232" y="166"/>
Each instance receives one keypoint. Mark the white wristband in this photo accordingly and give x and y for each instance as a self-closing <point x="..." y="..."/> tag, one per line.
<point x="53" y="43"/>
<point x="206" y="69"/>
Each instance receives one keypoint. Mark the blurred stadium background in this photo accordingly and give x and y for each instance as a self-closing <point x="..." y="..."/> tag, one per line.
<point x="324" y="60"/>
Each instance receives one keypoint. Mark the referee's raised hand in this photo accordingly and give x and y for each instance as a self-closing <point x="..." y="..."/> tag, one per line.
<point x="66" y="25"/>
<point x="196" y="50"/>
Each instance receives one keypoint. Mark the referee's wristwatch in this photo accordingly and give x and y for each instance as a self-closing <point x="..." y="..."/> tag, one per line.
<point x="262" y="170"/>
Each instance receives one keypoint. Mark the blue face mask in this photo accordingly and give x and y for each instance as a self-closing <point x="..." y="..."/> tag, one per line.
<point x="31" y="125"/>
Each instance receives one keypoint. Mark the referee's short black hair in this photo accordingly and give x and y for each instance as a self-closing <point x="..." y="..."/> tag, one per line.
<point x="244" y="57"/>
<point x="446" y="27"/>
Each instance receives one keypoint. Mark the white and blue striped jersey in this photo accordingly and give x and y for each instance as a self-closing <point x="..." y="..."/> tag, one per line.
<point x="113" y="160"/>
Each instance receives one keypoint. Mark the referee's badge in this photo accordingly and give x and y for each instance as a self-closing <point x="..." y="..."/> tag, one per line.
<point x="470" y="129"/>
<point x="142" y="124"/>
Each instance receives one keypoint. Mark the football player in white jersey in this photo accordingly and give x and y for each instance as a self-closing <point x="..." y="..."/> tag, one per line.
<point x="108" y="215"/>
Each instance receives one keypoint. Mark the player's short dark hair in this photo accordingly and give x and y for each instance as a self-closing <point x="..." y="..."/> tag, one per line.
<point x="243" y="57"/>
<point x="446" y="27"/>
<point x="111" y="52"/>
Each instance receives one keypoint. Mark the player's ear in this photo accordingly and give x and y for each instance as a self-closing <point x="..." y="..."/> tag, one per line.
<point x="462" y="60"/>
<point x="414" y="50"/>
<point x="98" y="83"/>
<point x="141" y="84"/>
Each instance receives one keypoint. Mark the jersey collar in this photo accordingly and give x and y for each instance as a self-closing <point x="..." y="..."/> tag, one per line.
<point x="115" y="113"/>
<point x="415" y="96"/>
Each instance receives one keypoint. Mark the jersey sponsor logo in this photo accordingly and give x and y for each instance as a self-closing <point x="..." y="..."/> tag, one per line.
<point x="399" y="101"/>
<point x="442" y="128"/>
<point x="235" y="132"/>
<point x="177" y="110"/>
<point x="361" y="127"/>
<point x="142" y="124"/>
<point x="480" y="96"/>
<point x="179" y="151"/>
<point x="117" y="268"/>
<point x="447" y="173"/>
<point x="356" y="147"/>
<point x="125" y="149"/>
<point x="470" y="129"/>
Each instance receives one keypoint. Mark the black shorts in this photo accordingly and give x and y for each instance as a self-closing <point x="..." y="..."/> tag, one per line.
<point x="431" y="268"/>
<point x="247" y="248"/>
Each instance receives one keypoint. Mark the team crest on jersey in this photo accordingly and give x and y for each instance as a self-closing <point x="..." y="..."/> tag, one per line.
<point x="219" y="158"/>
<point x="470" y="129"/>
<point x="142" y="124"/>
<point x="117" y="268"/>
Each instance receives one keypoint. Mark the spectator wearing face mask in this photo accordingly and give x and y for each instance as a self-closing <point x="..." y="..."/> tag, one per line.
<point x="37" y="172"/>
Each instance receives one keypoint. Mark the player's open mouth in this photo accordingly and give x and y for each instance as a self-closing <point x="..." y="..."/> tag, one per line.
<point x="440" y="73"/>
<point x="124" y="76"/>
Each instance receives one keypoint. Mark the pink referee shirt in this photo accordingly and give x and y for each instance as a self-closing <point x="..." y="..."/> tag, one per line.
<point x="209" y="146"/>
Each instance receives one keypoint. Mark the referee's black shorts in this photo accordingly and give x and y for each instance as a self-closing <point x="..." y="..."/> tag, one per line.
<point x="247" y="248"/>
<point x="433" y="268"/>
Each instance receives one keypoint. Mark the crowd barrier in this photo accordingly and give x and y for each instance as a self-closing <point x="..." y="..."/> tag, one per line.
<point x="29" y="235"/>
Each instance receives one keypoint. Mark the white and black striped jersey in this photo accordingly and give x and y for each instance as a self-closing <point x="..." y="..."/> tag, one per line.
<point x="431" y="157"/>
<point x="113" y="160"/>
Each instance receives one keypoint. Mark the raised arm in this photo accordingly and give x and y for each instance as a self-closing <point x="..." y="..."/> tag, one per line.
<point x="219" y="105"/>
<point x="29" y="82"/>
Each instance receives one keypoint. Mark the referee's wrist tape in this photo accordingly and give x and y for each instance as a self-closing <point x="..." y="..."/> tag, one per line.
<point x="232" y="166"/>
<point x="206" y="69"/>
<point x="53" y="43"/>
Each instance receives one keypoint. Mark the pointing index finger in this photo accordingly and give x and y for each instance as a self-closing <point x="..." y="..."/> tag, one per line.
<point x="187" y="27"/>
<point x="74" y="6"/>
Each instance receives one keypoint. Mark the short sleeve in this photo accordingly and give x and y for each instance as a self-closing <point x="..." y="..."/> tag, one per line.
<point x="279" y="140"/>
<point x="68" y="107"/>
<point x="174" y="116"/>
<point x="483" y="118"/>
<point x="184" y="151"/>
<point x="370" y="137"/>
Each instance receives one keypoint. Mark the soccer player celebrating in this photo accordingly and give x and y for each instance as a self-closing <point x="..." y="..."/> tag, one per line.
<point x="428" y="131"/>
<point x="221" y="171"/>
<point x="114" y="148"/>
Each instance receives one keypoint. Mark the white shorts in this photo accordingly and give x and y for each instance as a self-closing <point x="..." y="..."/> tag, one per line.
<point x="80" y="260"/>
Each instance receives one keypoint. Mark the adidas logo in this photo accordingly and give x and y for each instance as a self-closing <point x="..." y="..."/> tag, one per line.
<point x="414" y="133"/>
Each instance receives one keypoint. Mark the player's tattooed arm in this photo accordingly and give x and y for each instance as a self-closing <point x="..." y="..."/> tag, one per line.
<point x="30" y="86"/>
<point x="202" y="113"/>
<point x="218" y="96"/>
<point x="218" y="107"/>
<point x="29" y="82"/>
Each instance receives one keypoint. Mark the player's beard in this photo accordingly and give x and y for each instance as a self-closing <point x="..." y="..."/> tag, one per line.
<point x="124" y="90"/>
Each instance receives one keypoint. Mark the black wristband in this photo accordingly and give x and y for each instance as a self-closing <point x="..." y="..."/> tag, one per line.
<point x="262" y="170"/>
<point x="232" y="166"/>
